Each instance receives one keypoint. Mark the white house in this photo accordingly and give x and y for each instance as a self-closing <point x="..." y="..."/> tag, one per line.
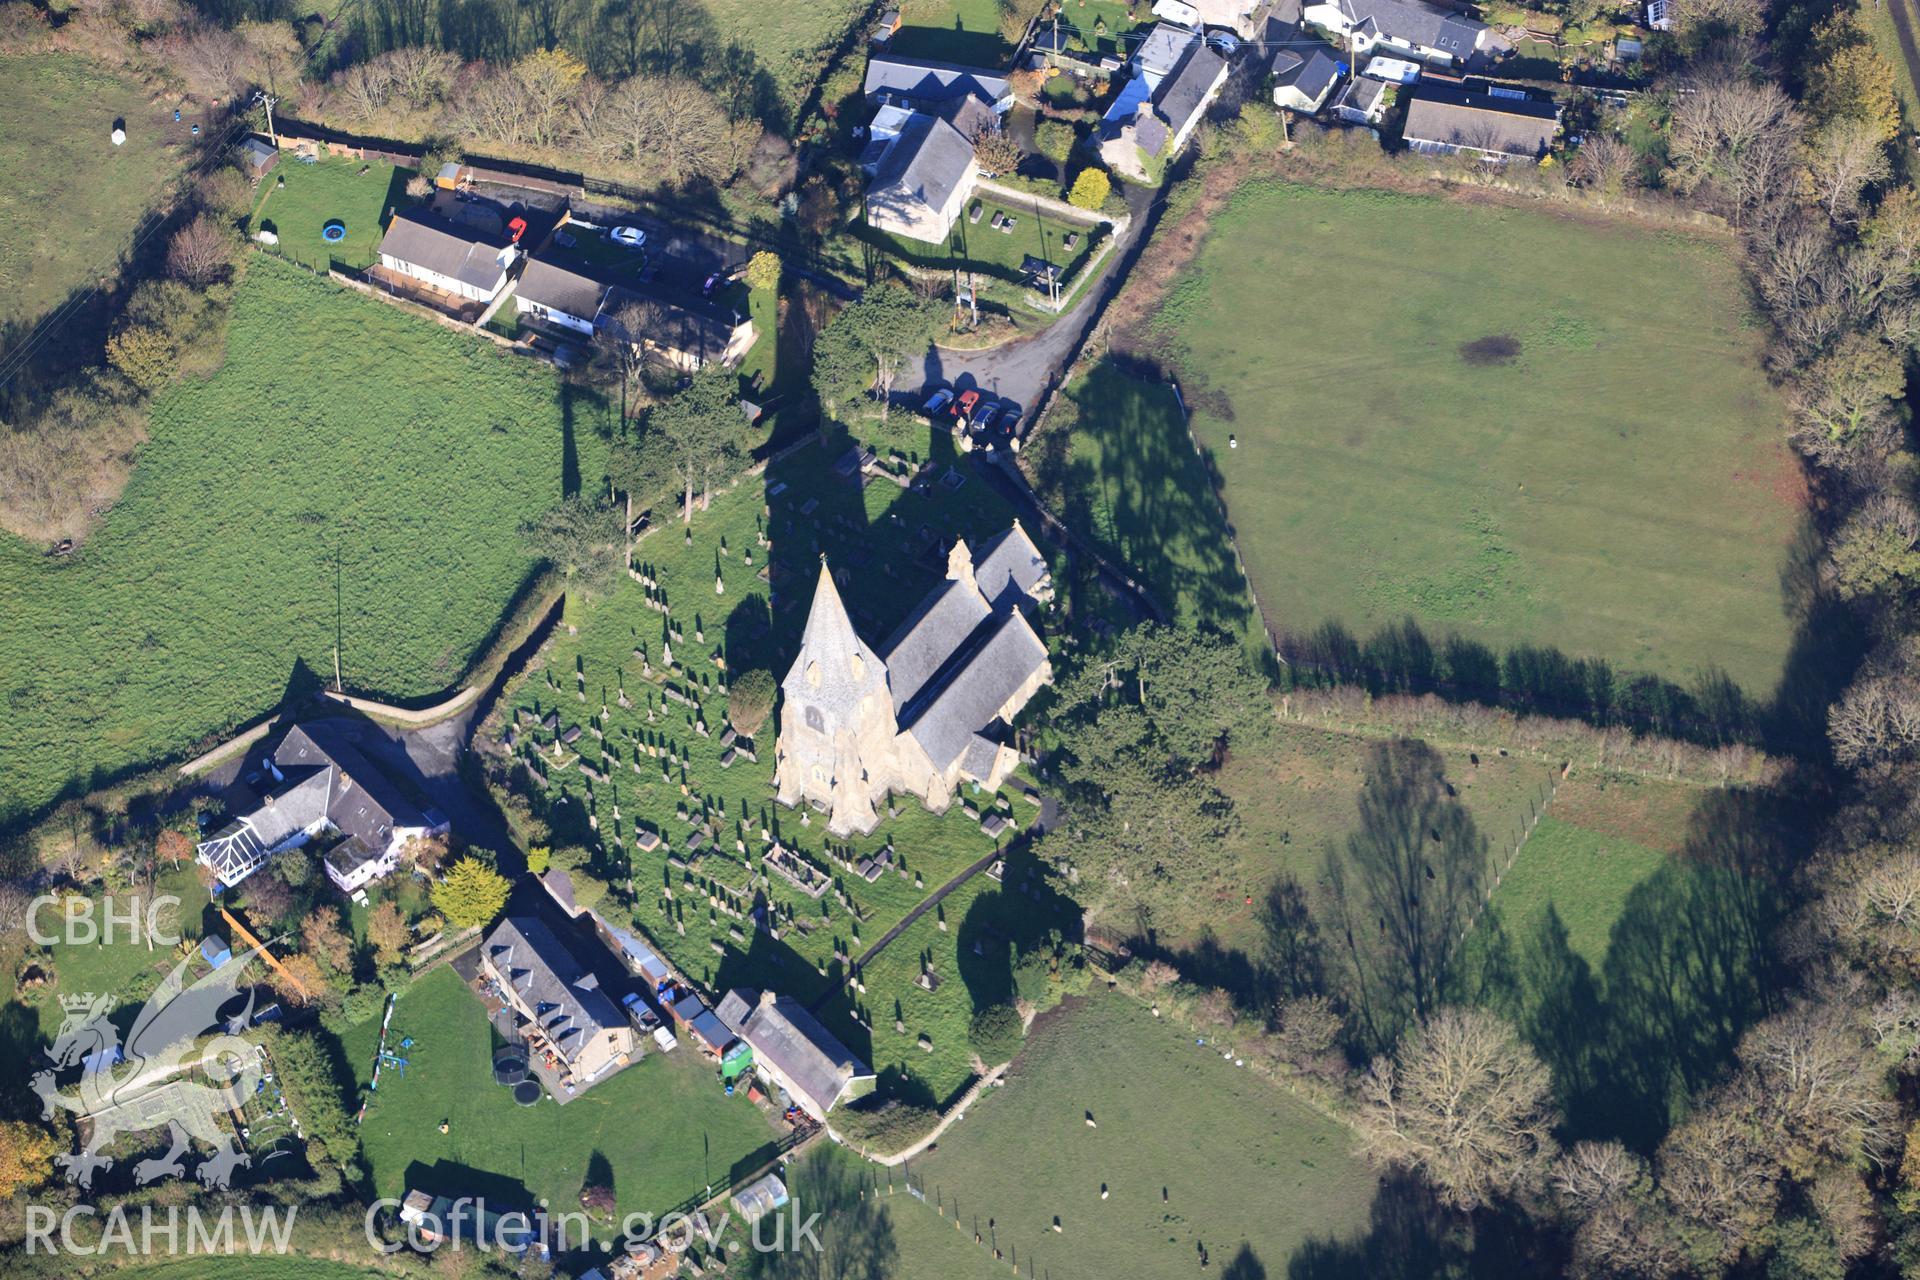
<point x="1304" y="72"/>
<point x="322" y="786"/>
<point x="444" y="254"/>
<point x="792" y="1051"/>
<point x="1420" y="30"/>
<point x="558" y="293"/>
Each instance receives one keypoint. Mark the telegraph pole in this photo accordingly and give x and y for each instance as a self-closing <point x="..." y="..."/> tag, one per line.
<point x="269" y="101"/>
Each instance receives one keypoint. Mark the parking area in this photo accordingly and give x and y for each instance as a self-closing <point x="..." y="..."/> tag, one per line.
<point x="978" y="418"/>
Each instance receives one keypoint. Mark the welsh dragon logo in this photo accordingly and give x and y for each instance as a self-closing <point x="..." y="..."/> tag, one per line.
<point x="177" y="1038"/>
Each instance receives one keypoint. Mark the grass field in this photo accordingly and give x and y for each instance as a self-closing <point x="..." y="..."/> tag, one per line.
<point x="246" y="1267"/>
<point x="1194" y="1154"/>
<point x="72" y="199"/>
<point x="790" y="39"/>
<point x="352" y="474"/>
<point x="663" y="775"/>
<point x="1878" y="20"/>
<point x="318" y="193"/>
<point x="1117" y="464"/>
<point x="1487" y="421"/>
<point x="662" y="1125"/>
<point x="1626" y="943"/>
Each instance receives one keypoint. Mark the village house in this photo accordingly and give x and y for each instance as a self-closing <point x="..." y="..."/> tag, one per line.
<point x="1175" y="79"/>
<point x="1304" y="72"/>
<point x="448" y="256"/>
<point x="1443" y="119"/>
<point x="919" y="157"/>
<point x="560" y="1007"/>
<point x="930" y="715"/>
<point x="322" y="785"/>
<point x="1428" y="33"/>
<point x="563" y="291"/>
<point x="1362" y="100"/>
<point x="794" y="1053"/>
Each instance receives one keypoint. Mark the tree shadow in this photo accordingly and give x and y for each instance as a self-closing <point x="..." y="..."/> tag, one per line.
<point x="1411" y="1236"/>
<point x="855" y="1229"/>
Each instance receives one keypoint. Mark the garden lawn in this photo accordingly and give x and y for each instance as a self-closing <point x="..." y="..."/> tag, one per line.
<point x="962" y="31"/>
<point x="351" y="475"/>
<point x="72" y="200"/>
<point x="316" y="194"/>
<point x="665" y="776"/>
<point x="1515" y="427"/>
<point x="663" y="1125"/>
<point x="1117" y="464"/>
<point x="997" y="255"/>
<point x="1192" y="1151"/>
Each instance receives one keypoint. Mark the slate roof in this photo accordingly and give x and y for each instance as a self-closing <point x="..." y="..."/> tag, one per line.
<point x="691" y="325"/>
<point x="1010" y="562"/>
<point x="326" y="780"/>
<point x="446" y="248"/>
<point x="927" y="162"/>
<point x="1000" y="657"/>
<point x="930" y="635"/>
<point x="561" y="286"/>
<point x="1416" y="23"/>
<point x="566" y="998"/>
<point x="921" y="80"/>
<point x="790" y="1040"/>
<point x="1185" y="92"/>
<point x="1310" y="66"/>
<point x="1443" y="115"/>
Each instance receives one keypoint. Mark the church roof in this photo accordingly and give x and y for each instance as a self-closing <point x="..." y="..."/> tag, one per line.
<point x="835" y="668"/>
<point x="929" y="636"/>
<point x="969" y="690"/>
<point x="1009" y="560"/>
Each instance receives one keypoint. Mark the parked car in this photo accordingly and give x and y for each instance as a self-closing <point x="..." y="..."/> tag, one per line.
<point x="1225" y="42"/>
<point x="631" y="237"/>
<point x="937" y="402"/>
<point x="963" y="407"/>
<point x="714" y="284"/>
<point x="665" y="1039"/>
<point x="983" y="420"/>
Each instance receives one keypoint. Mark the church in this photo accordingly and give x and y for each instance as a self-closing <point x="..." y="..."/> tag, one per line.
<point x="929" y="715"/>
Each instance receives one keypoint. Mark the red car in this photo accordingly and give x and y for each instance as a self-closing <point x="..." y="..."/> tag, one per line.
<point x="964" y="404"/>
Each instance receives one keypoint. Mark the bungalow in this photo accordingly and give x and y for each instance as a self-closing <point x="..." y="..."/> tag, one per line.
<point x="1176" y="78"/>
<point x="686" y="332"/>
<point x="446" y="255"/>
<point x="1305" y="72"/>
<point x="321" y="784"/>
<point x="923" y="85"/>
<point x="1498" y="126"/>
<point x="561" y="1007"/>
<point x="1428" y="33"/>
<point x="559" y="293"/>
<point x="793" y="1052"/>
<point x="921" y="178"/>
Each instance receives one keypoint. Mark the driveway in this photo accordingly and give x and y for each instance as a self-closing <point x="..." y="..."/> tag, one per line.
<point x="1025" y="370"/>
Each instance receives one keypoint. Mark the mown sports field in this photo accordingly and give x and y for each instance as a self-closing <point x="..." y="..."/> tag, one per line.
<point x="1507" y="425"/>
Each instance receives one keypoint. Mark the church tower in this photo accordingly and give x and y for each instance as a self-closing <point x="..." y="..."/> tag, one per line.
<point x="837" y="725"/>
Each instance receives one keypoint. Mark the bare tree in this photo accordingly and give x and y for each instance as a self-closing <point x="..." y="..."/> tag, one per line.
<point x="1813" y="1078"/>
<point x="1605" y="165"/>
<point x="1876" y="719"/>
<point x="202" y="252"/>
<point x="1735" y="137"/>
<point x="1844" y="157"/>
<point x="1465" y="1103"/>
<point x="668" y="125"/>
<point x="1877" y="549"/>
<point x="1591" y="1175"/>
<point x="1718" y="1176"/>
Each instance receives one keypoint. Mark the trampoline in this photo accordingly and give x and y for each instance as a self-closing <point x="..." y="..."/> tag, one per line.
<point x="526" y="1093"/>
<point x="509" y="1067"/>
<point x="334" y="231"/>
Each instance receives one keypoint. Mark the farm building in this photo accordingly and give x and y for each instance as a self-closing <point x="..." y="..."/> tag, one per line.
<point x="447" y="255"/>
<point x="793" y="1052"/>
<point x="1444" y="120"/>
<point x="561" y="1008"/>
<point x="1428" y="33"/>
<point x="855" y="726"/>
<point x="322" y="784"/>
